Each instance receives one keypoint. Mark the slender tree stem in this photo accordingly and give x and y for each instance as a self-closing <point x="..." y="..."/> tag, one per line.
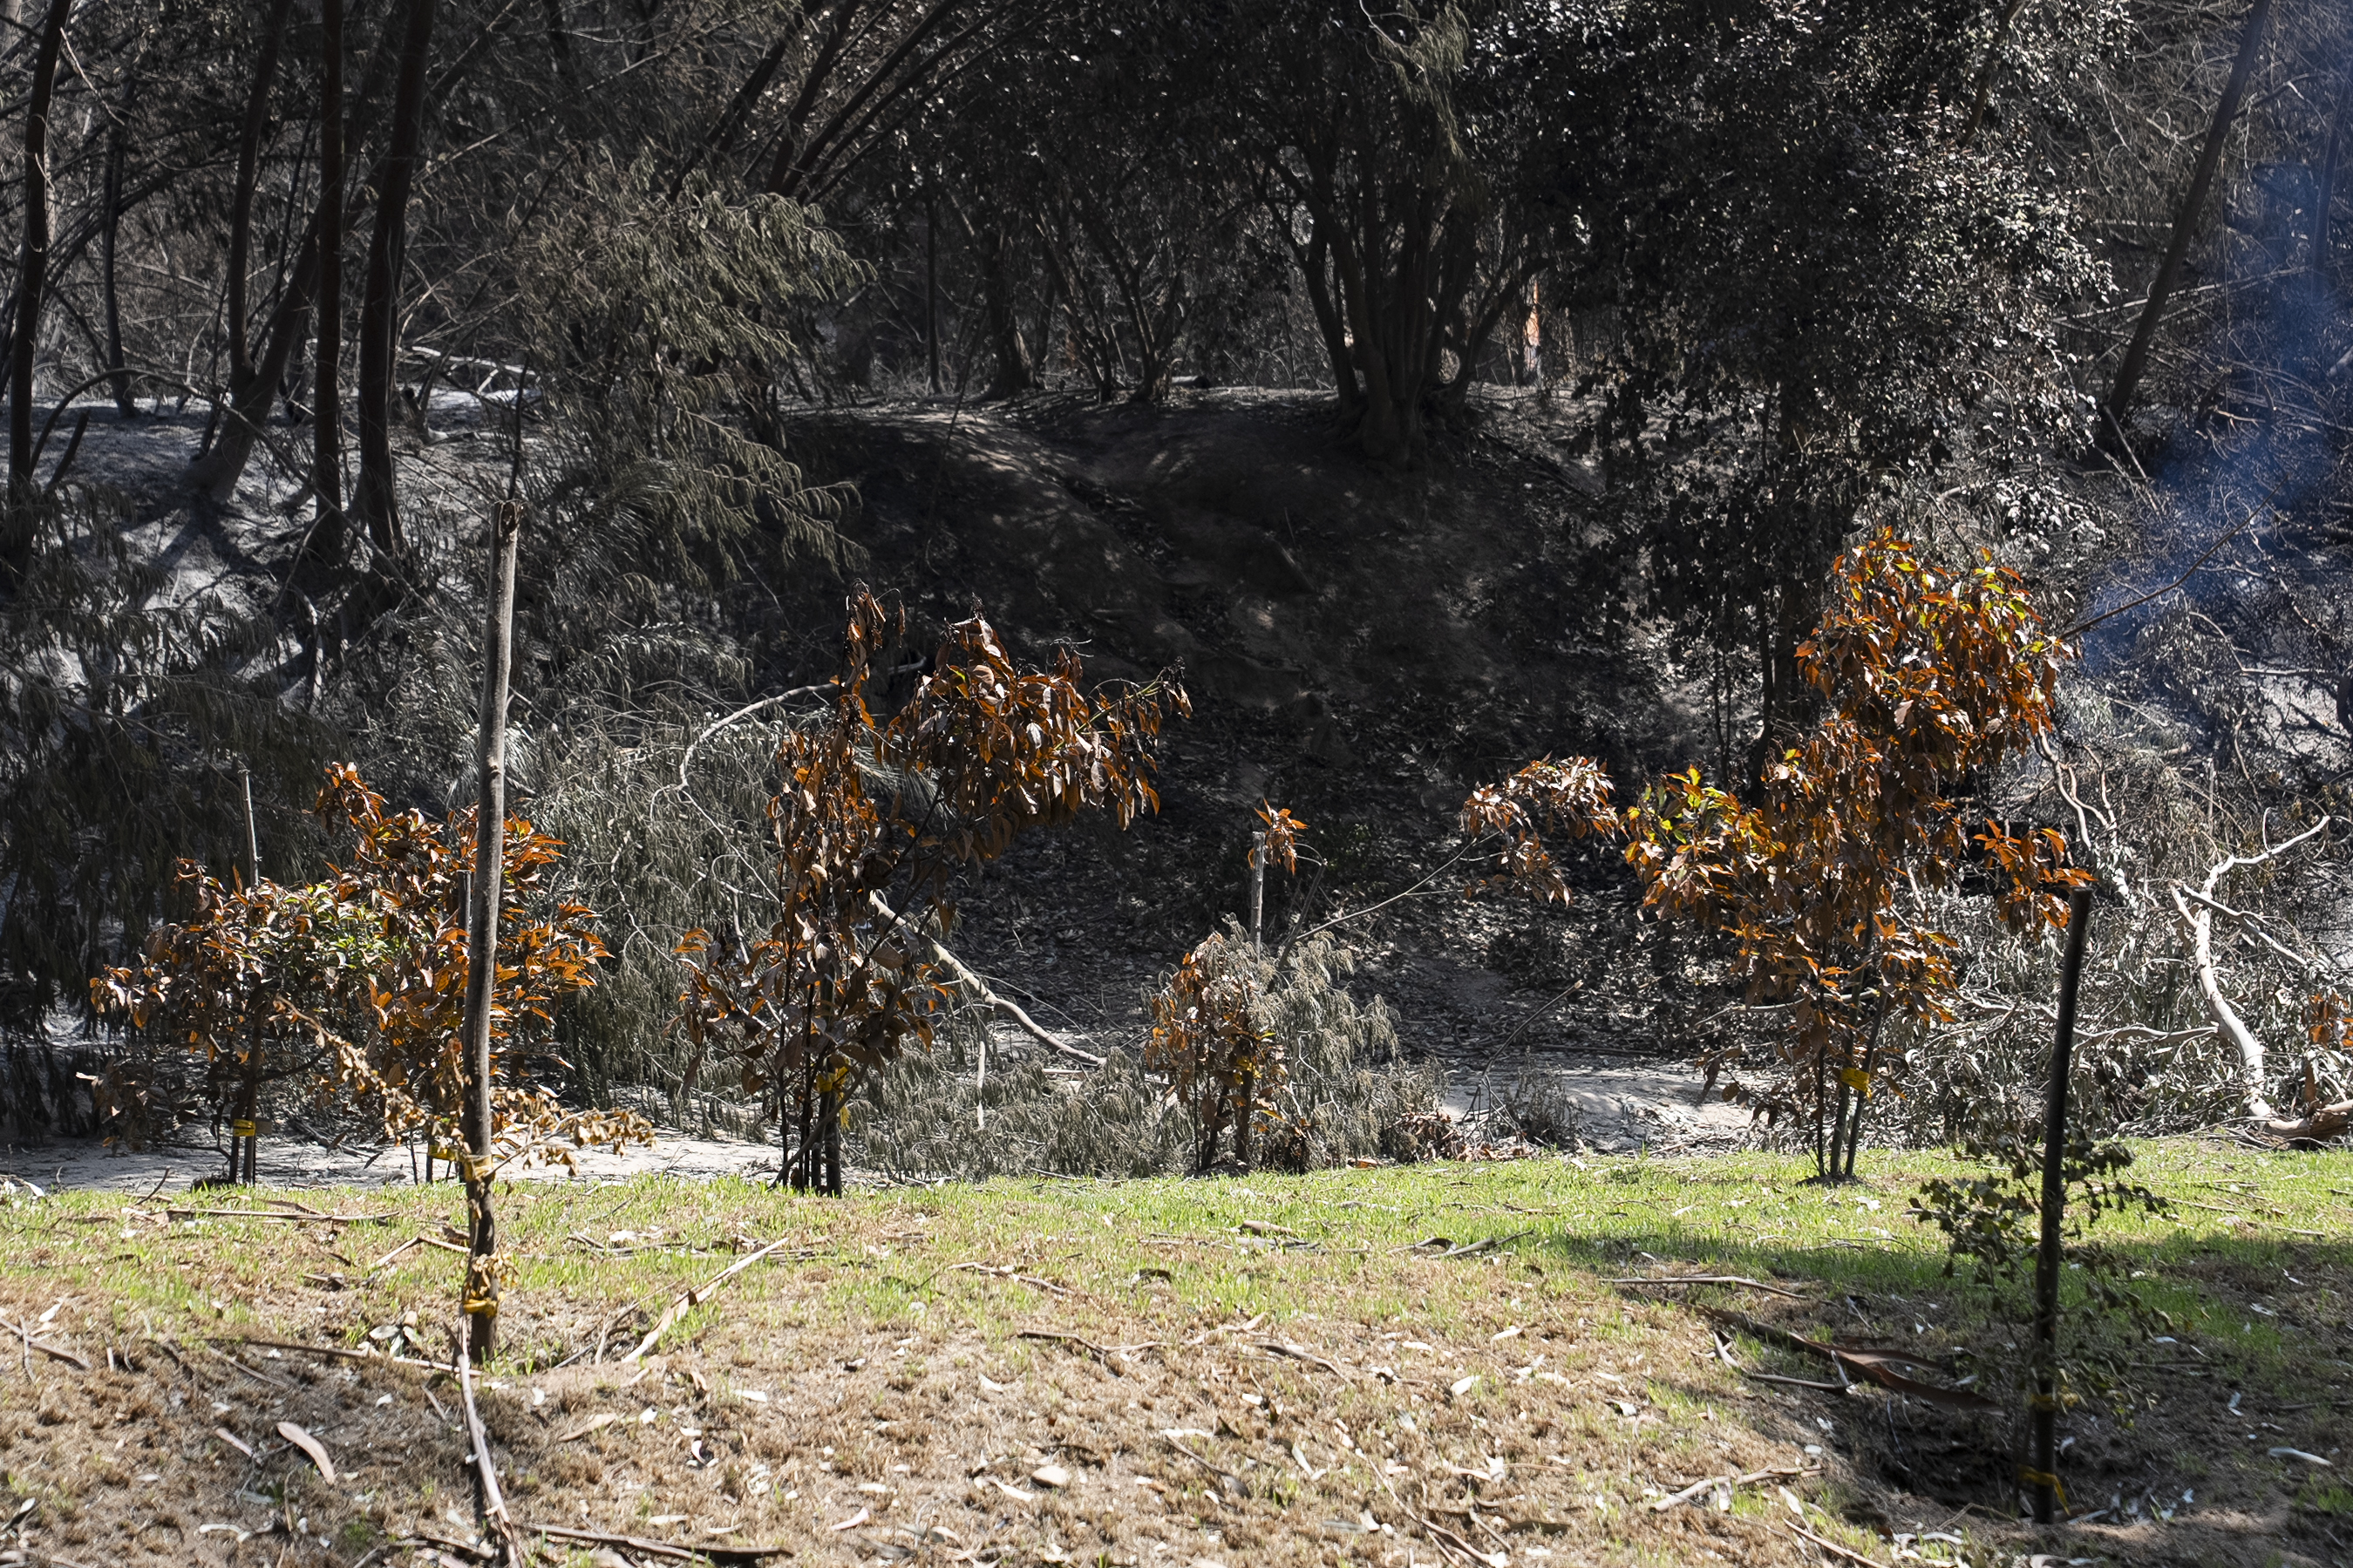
<point x="483" y="897"/>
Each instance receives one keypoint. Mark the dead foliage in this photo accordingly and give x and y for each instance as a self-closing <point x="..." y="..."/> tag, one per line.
<point x="872" y="818"/>
<point x="353" y="987"/>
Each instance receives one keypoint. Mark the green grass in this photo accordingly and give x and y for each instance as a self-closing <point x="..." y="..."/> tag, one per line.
<point x="2252" y="1265"/>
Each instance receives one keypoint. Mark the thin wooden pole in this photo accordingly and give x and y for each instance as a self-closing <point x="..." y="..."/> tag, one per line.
<point x="481" y="1303"/>
<point x="2044" y="1477"/>
<point x="252" y="834"/>
<point x="1258" y="919"/>
<point x="245" y="1129"/>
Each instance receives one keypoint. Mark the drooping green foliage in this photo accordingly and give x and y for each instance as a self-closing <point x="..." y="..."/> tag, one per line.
<point x="666" y="328"/>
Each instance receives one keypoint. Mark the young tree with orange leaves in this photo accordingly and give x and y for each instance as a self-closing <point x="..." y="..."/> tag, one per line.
<point x="1210" y="1038"/>
<point x="1929" y="677"/>
<point x="407" y="878"/>
<point x="368" y="967"/>
<point x="265" y="982"/>
<point x="873" y="818"/>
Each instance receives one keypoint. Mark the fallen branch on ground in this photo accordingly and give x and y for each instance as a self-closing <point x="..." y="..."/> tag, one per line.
<point x="980" y="991"/>
<point x="1440" y="1536"/>
<point x="1006" y="1272"/>
<point x="310" y="1218"/>
<point x="55" y="1352"/>
<point x="1209" y="1465"/>
<point x="1794" y="1382"/>
<point x="654" y="1548"/>
<point x="257" y="1376"/>
<point x="340" y="1353"/>
<point x="1708" y="1280"/>
<point x="700" y="1294"/>
<point x="2200" y="922"/>
<point x="1098" y="1351"/>
<point x="494" y="1504"/>
<point x="1871" y="1362"/>
<point x="1301" y="1352"/>
<point x="1781" y="1472"/>
<point x="1833" y="1547"/>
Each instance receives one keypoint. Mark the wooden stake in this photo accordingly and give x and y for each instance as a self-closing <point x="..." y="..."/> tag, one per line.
<point x="1258" y="885"/>
<point x="481" y="1303"/>
<point x="2054" y="1201"/>
<point x="1249" y="1079"/>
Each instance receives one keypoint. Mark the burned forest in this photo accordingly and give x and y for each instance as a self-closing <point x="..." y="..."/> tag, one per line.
<point x="1177" y="782"/>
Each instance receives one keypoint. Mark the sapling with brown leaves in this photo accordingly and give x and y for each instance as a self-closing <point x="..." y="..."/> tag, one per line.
<point x="263" y="982"/>
<point x="1929" y="677"/>
<point x="356" y="984"/>
<point x="873" y="818"/>
<point x="1212" y="1037"/>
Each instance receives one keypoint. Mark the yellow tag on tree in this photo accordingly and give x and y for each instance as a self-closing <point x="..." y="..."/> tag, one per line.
<point x="1856" y="1079"/>
<point x="243" y="1130"/>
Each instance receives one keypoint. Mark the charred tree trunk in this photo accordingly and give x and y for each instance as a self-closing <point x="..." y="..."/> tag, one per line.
<point x="327" y="418"/>
<point x="216" y="473"/>
<point x="784" y="168"/>
<point x="117" y="151"/>
<point x="2185" y="222"/>
<point x="2324" y="201"/>
<point x="240" y="210"/>
<point x="559" y="43"/>
<point x="482" y="1303"/>
<point x="16" y="524"/>
<point x="374" y="497"/>
<point x="1015" y="371"/>
<point x="931" y="292"/>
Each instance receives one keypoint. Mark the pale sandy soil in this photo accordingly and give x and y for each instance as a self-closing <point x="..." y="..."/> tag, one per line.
<point x="1623" y="1107"/>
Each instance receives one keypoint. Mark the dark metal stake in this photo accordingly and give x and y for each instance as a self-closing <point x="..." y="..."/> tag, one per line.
<point x="2044" y="1477"/>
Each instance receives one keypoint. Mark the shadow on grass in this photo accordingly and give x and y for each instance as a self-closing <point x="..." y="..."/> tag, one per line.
<point x="2194" y="1455"/>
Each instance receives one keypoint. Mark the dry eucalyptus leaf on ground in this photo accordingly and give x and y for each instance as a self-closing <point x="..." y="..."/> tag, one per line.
<point x="311" y="1446"/>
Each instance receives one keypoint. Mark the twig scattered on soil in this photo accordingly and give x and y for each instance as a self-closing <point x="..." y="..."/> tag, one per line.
<point x="340" y="1353"/>
<point x="700" y="1294"/>
<point x="1100" y="1352"/>
<point x="1005" y="1272"/>
<point x="1778" y="1472"/>
<point x="1833" y="1547"/>
<point x="494" y="1503"/>
<point x="471" y="1548"/>
<point x="1301" y="1352"/>
<point x="395" y="1252"/>
<point x="55" y="1352"/>
<point x="312" y="1218"/>
<point x="1440" y="1536"/>
<point x="655" y="1548"/>
<point x="1708" y="1280"/>
<point x="166" y="1346"/>
<point x="257" y="1376"/>
<point x="1793" y="1382"/>
<point x="1208" y="1464"/>
<point x="606" y="1328"/>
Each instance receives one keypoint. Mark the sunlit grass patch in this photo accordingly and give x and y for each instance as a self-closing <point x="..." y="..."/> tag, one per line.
<point x="1326" y="1347"/>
